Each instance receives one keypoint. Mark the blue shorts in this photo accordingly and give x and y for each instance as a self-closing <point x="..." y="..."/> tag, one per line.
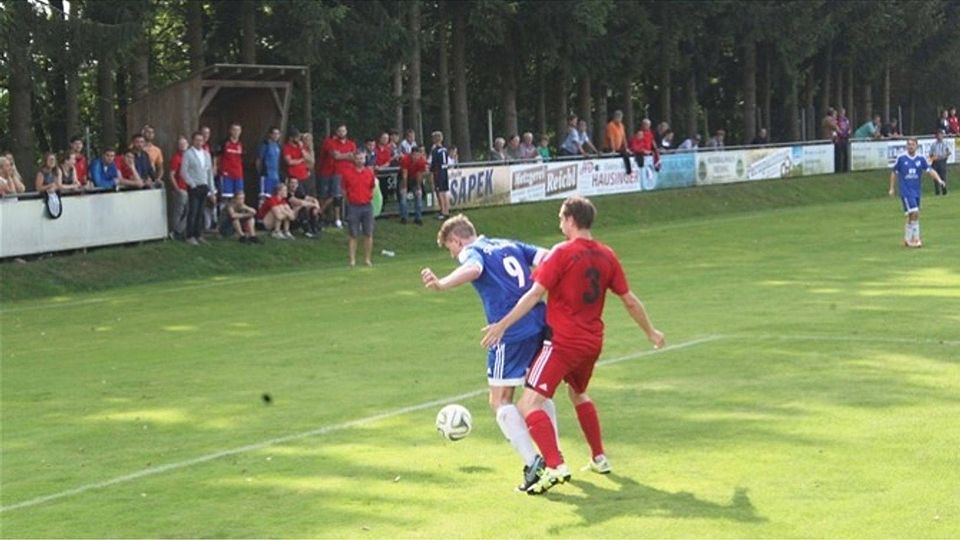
<point x="911" y="203"/>
<point x="230" y="186"/>
<point x="267" y="185"/>
<point x="507" y="363"/>
<point x="328" y="187"/>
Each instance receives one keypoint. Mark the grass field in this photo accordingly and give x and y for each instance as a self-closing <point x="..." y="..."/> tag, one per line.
<point x="811" y="389"/>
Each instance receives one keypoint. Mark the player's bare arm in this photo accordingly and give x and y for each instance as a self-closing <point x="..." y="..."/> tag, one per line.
<point x="936" y="176"/>
<point x="494" y="332"/>
<point x="463" y="274"/>
<point x="893" y="178"/>
<point x="638" y="312"/>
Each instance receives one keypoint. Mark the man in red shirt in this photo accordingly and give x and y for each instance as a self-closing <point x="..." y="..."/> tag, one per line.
<point x="231" y="164"/>
<point x="358" y="185"/>
<point x="954" y="122"/>
<point x="293" y="157"/>
<point x="178" y="189"/>
<point x="577" y="274"/>
<point x="338" y="152"/>
<point x="80" y="160"/>
<point x="644" y="146"/>
<point x="413" y="167"/>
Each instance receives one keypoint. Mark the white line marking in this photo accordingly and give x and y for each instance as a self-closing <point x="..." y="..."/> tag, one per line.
<point x="847" y="339"/>
<point x="152" y="471"/>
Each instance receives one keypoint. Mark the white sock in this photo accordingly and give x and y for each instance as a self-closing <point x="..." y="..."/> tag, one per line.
<point x="916" y="231"/>
<point x="907" y="233"/>
<point x="515" y="430"/>
<point x="551" y="409"/>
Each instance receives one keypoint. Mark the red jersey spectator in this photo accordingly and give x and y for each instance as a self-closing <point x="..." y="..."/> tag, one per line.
<point x="383" y="151"/>
<point x="413" y="167"/>
<point x="293" y="157"/>
<point x="342" y="149"/>
<point x="80" y="160"/>
<point x="954" y="122"/>
<point x="180" y="196"/>
<point x="358" y="184"/>
<point x="231" y="164"/>
<point x="644" y="144"/>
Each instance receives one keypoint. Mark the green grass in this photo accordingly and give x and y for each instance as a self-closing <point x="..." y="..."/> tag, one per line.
<point x="821" y="402"/>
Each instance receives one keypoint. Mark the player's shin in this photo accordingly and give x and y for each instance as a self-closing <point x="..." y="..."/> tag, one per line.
<point x="551" y="409"/>
<point x="541" y="430"/>
<point x="590" y="424"/>
<point x="515" y="430"/>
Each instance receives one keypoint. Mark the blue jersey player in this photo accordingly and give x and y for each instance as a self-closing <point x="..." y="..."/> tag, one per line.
<point x="908" y="169"/>
<point x="500" y="272"/>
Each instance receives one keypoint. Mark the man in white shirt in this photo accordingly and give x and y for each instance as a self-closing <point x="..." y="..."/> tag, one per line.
<point x="197" y="172"/>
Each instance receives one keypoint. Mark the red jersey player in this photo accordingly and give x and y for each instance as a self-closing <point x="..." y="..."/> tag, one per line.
<point x="577" y="274"/>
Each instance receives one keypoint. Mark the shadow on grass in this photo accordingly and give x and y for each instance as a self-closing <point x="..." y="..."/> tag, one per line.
<point x="631" y="499"/>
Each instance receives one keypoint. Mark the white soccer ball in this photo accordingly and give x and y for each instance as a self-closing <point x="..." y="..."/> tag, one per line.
<point x="454" y="422"/>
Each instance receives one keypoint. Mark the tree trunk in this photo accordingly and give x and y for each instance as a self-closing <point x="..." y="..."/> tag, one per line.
<point x="57" y="83"/>
<point x="810" y="110"/>
<point x="140" y="68"/>
<point x="767" y="90"/>
<point x="602" y="116"/>
<point x="123" y="96"/>
<point x="629" y="119"/>
<point x="541" y="100"/>
<point x="749" y="91"/>
<point x="790" y="105"/>
<point x="508" y="82"/>
<point x="444" y="76"/>
<point x="461" y="112"/>
<point x="195" y="34"/>
<point x="106" y="96"/>
<point x="886" y="93"/>
<point x="248" y="32"/>
<point x="416" y="92"/>
<point x="852" y="111"/>
<point x="692" y="106"/>
<point x="585" y="99"/>
<point x="839" y="99"/>
<point x="21" y="89"/>
<point x="398" y="96"/>
<point x="563" y="107"/>
<point x="868" y="100"/>
<point x="666" y="86"/>
<point x="825" y="88"/>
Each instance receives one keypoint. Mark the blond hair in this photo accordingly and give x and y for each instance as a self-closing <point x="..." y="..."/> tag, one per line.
<point x="458" y="226"/>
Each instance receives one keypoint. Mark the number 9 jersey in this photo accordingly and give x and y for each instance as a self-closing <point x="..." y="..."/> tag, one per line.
<point x="505" y="277"/>
<point x="577" y="274"/>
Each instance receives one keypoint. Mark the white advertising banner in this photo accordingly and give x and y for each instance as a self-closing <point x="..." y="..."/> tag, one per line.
<point x="720" y="167"/>
<point x="867" y="155"/>
<point x="816" y="159"/>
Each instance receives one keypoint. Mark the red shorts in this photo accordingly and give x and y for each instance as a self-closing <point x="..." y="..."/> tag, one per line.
<point x="554" y="364"/>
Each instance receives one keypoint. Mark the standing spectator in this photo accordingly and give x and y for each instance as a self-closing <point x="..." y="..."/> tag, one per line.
<point x="305" y="207"/>
<point x="342" y="150"/>
<point x="939" y="155"/>
<point x="230" y="163"/>
<point x="358" y="185"/>
<point x="178" y="190"/>
<point x="644" y="147"/>
<point x="395" y="146"/>
<point x="543" y="149"/>
<point x="48" y="177"/>
<point x="413" y="167"/>
<point x="241" y="217"/>
<point x="761" y="137"/>
<point x="615" y="136"/>
<point x="383" y="152"/>
<point x="294" y="156"/>
<point x="142" y="162"/>
<point x="571" y="144"/>
<point x="513" y="148"/>
<point x="80" y="160"/>
<point x="370" y="150"/>
<point x="268" y="162"/>
<point x="954" y="122"/>
<point x="586" y="145"/>
<point x="439" y="160"/>
<point x="103" y="170"/>
<point x="153" y="151"/>
<point x="662" y="129"/>
<point x="691" y="143"/>
<point x="944" y="122"/>
<point x="128" y="175"/>
<point x="841" y="149"/>
<point x="666" y="143"/>
<point x="8" y="183"/>
<point x="716" y="142"/>
<point x="276" y="214"/>
<point x="498" y="153"/>
<point x="309" y="159"/>
<point x="869" y="130"/>
<point x="528" y="150"/>
<point x="197" y="172"/>
<point x="408" y="142"/>
<point x="68" y="172"/>
<point x="891" y="130"/>
<point x="828" y="126"/>
<point x="453" y="155"/>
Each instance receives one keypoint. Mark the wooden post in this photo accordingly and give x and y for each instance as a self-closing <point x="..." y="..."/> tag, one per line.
<point x="308" y="102"/>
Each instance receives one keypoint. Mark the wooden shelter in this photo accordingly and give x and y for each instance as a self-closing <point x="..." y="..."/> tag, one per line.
<point x="255" y="96"/>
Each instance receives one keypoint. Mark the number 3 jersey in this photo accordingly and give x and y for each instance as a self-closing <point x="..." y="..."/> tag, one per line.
<point x="577" y="274"/>
<point x="504" y="278"/>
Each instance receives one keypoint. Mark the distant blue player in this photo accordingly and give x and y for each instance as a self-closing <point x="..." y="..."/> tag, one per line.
<point x="909" y="168"/>
<point x="500" y="272"/>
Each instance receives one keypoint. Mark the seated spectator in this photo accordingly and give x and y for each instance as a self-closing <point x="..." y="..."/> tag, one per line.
<point x="103" y="170"/>
<point x="571" y="144"/>
<point x="943" y="122"/>
<point x="127" y="168"/>
<point x="453" y="155"/>
<point x="662" y="129"/>
<point x="891" y="130"/>
<point x="276" y="214"/>
<point x="586" y="146"/>
<point x="18" y="185"/>
<point x="666" y="143"/>
<point x="68" y="172"/>
<point x="48" y="177"/>
<point x="305" y="206"/>
<point x="762" y="138"/>
<point x="869" y="130"/>
<point x="528" y="150"/>
<point x="716" y="142"/>
<point x="413" y="169"/>
<point x="497" y="153"/>
<point x="513" y="148"/>
<point x="241" y="217"/>
<point x="691" y="143"/>
<point x="543" y="149"/>
<point x="644" y="147"/>
<point x="7" y="185"/>
<point x="80" y="160"/>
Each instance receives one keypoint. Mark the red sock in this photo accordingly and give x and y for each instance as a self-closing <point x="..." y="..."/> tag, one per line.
<point x="542" y="433"/>
<point x="590" y="424"/>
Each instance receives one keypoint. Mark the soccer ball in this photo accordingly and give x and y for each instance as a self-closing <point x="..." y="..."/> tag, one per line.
<point x="454" y="422"/>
